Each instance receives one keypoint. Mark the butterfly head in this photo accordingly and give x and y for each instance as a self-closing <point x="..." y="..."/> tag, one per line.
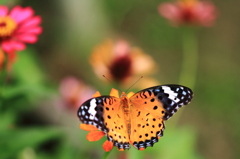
<point x="115" y="93"/>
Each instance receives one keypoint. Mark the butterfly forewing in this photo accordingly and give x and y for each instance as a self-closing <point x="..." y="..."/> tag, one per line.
<point x="91" y="112"/>
<point x="172" y="97"/>
<point x="105" y="113"/>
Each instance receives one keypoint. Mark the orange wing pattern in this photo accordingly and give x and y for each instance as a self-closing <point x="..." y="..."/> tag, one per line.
<point x="138" y="120"/>
<point x="116" y="123"/>
<point x="150" y="107"/>
<point x="147" y="122"/>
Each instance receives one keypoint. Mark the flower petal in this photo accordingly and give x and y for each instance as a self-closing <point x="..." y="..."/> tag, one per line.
<point x="107" y="146"/>
<point x="28" y="38"/>
<point x="20" y="14"/>
<point x="95" y="135"/>
<point x="31" y="23"/>
<point x="130" y="94"/>
<point x="205" y="13"/>
<point x="10" y="46"/>
<point x="36" y="30"/>
<point x="3" y="10"/>
<point x="87" y="127"/>
<point x="140" y="58"/>
<point x="170" y="11"/>
<point x="97" y="94"/>
<point x="114" y="93"/>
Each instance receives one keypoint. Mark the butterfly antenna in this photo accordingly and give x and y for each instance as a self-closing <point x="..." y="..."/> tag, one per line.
<point x="134" y="83"/>
<point x="111" y="82"/>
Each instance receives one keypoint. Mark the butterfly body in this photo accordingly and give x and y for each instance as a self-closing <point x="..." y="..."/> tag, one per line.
<point x="136" y="119"/>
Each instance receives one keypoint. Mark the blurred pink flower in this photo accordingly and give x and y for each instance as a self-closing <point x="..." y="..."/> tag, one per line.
<point x="190" y="12"/>
<point x="18" y="27"/>
<point x="122" y="63"/>
<point x="74" y="92"/>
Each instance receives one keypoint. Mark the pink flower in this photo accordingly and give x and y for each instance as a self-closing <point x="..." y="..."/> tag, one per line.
<point x="190" y="12"/>
<point x="18" y="27"/>
<point x="74" y="92"/>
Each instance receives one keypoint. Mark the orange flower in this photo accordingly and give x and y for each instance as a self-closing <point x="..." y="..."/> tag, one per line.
<point x="74" y="92"/>
<point x="94" y="133"/>
<point x="120" y="62"/>
<point x="190" y="12"/>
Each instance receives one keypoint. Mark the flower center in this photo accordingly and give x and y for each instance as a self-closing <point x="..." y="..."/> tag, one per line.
<point x="121" y="68"/>
<point x="7" y="26"/>
<point x="189" y="2"/>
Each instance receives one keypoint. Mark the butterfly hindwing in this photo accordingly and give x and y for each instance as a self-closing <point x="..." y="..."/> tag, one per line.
<point x="147" y="123"/>
<point x="116" y="123"/>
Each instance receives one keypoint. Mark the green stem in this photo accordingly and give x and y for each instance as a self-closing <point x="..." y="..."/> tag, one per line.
<point x="190" y="58"/>
<point x="106" y="154"/>
<point x="3" y="76"/>
<point x="189" y="63"/>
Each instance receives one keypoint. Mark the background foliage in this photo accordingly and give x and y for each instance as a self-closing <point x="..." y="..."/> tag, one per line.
<point x="33" y="126"/>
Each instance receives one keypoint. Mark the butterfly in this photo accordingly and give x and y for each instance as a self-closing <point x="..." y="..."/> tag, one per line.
<point x="137" y="120"/>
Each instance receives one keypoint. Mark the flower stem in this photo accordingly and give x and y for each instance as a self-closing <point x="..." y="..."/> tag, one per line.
<point x="105" y="155"/>
<point x="189" y="63"/>
<point x="3" y="76"/>
<point x="190" y="58"/>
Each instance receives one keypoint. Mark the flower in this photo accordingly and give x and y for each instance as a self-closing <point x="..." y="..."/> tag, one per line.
<point x="74" y="92"/>
<point x="18" y="27"/>
<point x="120" y="62"/>
<point x="94" y="133"/>
<point x="190" y="12"/>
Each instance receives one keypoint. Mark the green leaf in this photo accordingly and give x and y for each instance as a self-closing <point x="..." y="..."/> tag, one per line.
<point x="176" y="143"/>
<point x="7" y="119"/>
<point x="13" y="141"/>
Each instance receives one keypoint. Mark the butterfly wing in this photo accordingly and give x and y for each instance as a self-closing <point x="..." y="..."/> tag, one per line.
<point x="150" y="108"/>
<point x="106" y="113"/>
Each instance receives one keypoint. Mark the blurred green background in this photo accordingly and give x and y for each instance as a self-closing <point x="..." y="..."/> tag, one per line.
<point x="32" y="126"/>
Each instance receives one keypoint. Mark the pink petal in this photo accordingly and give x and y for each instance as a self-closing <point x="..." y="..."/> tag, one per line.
<point x="121" y="48"/>
<point x="19" y="45"/>
<point x="20" y="14"/>
<point x="34" y="21"/>
<point x="170" y="12"/>
<point x="3" y="10"/>
<point x="28" y="38"/>
<point x="7" y="47"/>
<point x="206" y="13"/>
<point x="36" y="30"/>
<point x="10" y="46"/>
